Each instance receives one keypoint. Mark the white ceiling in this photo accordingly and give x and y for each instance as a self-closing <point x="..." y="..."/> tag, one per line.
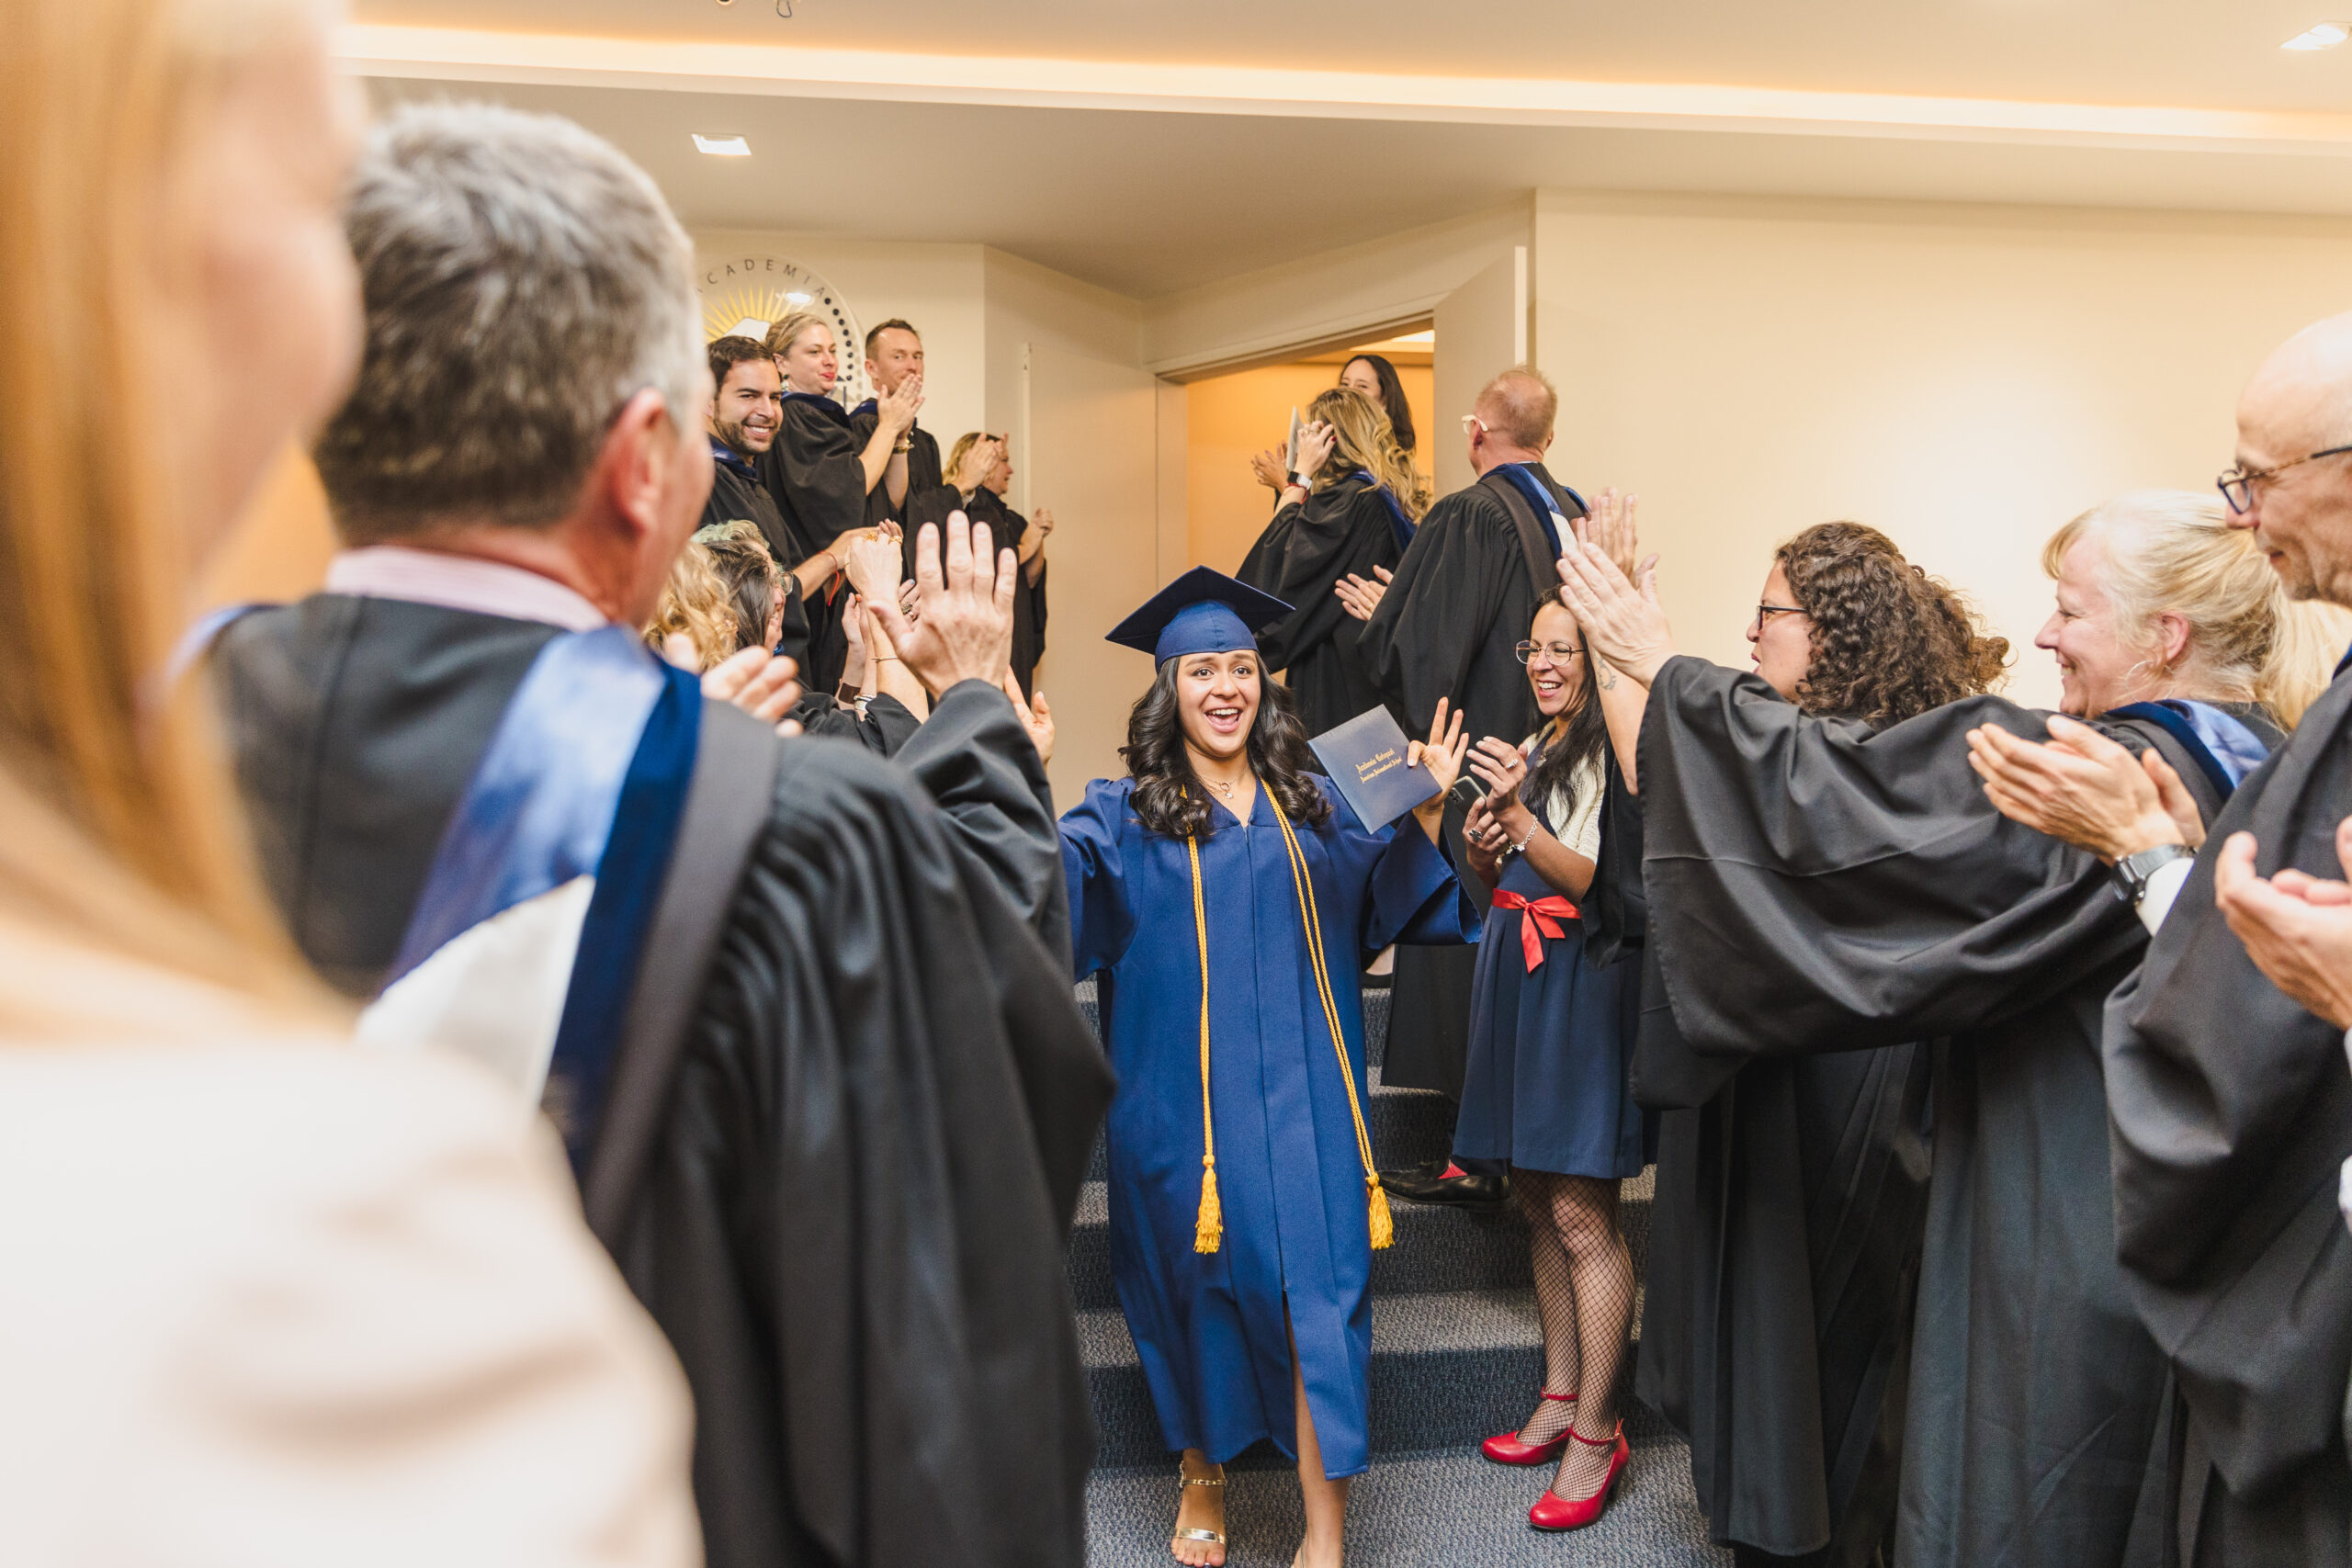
<point x="2205" y="53"/>
<point x="1149" y="146"/>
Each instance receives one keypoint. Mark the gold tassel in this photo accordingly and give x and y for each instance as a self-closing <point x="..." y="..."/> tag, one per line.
<point x="1384" y="1229"/>
<point x="1208" y="1231"/>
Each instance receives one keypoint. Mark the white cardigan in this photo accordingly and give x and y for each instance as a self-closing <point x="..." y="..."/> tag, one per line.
<point x="292" y="1306"/>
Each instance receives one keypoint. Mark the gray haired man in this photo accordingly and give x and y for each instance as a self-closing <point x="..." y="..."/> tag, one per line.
<point x="824" y="1084"/>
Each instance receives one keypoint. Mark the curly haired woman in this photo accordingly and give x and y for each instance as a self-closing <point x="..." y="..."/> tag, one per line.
<point x="1945" y="1327"/>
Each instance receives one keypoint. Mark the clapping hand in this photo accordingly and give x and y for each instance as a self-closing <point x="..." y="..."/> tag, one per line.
<point x="1610" y="528"/>
<point x="964" y="632"/>
<point x="2084" y="788"/>
<point x="874" y="562"/>
<point x="897" y="408"/>
<point x="1360" y="598"/>
<point x="1502" y="768"/>
<point x="1623" y="623"/>
<point x="979" y="460"/>
<point x="1272" y="466"/>
<point x="2297" y="928"/>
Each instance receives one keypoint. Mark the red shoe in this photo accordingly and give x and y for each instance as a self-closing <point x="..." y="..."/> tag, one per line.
<point x="1554" y="1512"/>
<point x="1508" y="1449"/>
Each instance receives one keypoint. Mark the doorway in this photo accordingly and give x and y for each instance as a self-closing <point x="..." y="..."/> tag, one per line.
<point x="1229" y="418"/>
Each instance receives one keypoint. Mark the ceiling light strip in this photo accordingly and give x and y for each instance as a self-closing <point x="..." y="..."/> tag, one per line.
<point x="450" y="53"/>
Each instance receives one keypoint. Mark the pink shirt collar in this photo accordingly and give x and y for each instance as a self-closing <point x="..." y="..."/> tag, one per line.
<point x="460" y="583"/>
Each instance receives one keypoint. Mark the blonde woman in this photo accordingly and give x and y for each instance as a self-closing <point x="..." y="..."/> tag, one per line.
<point x="1349" y="508"/>
<point x="820" y="472"/>
<point x="268" y="1299"/>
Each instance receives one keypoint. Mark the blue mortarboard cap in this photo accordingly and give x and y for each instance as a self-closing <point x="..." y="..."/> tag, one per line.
<point x="1202" y="612"/>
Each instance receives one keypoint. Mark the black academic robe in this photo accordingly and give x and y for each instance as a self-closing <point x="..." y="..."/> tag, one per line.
<point x="1463" y="596"/>
<point x="738" y="495"/>
<point x="1007" y="529"/>
<point x="818" y="481"/>
<point x="922" y="464"/>
<point x="1813" y="887"/>
<point x="2231" y="1117"/>
<point x="1345" y="528"/>
<point x="860" y="1169"/>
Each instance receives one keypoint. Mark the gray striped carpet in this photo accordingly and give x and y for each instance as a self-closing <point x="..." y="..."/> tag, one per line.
<point x="1456" y="1355"/>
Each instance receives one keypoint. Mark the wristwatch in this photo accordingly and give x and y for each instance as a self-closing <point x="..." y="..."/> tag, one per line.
<point x="2131" y="873"/>
<point x="1298" y="480"/>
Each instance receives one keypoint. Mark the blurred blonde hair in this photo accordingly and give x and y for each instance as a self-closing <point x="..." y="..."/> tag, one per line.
<point x="2174" y="551"/>
<point x="1365" y="440"/>
<point x="786" y="328"/>
<point x="120" y="833"/>
<point x="697" y="604"/>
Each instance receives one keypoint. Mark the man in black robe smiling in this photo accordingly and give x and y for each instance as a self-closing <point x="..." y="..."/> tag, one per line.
<point x="836" y="1140"/>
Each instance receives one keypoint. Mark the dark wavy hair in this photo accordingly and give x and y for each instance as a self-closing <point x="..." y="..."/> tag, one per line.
<point x="1170" y="799"/>
<point x="1585" y="740"/>
<point x="1391" y="395"/>
<point x="1889" y="641"/>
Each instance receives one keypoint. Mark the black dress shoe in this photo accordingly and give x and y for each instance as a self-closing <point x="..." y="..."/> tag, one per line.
<point x="1442" y="1181"/>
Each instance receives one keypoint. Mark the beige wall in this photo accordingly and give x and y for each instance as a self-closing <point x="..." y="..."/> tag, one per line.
<point x="1227" y="418"/>
<point x="1339" y="296"/>
<point x="1963" y="379"/>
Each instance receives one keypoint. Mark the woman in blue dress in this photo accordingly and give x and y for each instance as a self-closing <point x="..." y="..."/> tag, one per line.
<point x="1551" y="1038"/>
<point x="1226" y="899"/>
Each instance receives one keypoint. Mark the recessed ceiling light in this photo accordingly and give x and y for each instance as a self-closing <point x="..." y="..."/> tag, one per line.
<point x="723" y="146"/>
<point x="2319" y="35"/>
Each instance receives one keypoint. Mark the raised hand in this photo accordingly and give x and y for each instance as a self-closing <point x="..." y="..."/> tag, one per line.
<point x="2297" y="928"/>
<point x="966" y="629"/>
<point x="1315" y="443"/>
<point x="2084" y="788"/>
<point x="1611" y="529"/>
<point x="1623" y="623"/>
<point x="1360" y="598"/>
<point x="760" y="682"/>
<point x="874" y="561"/>
<point x="979" y="458"/>
<point x="1037" y="716"/>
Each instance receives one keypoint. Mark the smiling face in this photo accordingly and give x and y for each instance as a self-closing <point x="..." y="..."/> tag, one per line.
<point x="1357" y="375"/>
<point x="1216" y="702"/>
<point x="2098" y="670"/>
<point x="1782" y="643"/>
<point x="1556" y="675"/>
<point x="811" y="365"/>
<point x="744" y="413"/>
<point x="2302" y="517"/>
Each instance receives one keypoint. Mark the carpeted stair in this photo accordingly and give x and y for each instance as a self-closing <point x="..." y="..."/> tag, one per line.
<point x="1456" y="1355"/>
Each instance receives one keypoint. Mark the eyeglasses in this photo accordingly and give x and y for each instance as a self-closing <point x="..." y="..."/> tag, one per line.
<point x="1764" y="613"/>
<point x="2236" y="485"/>
<point x="1556" y="652"/>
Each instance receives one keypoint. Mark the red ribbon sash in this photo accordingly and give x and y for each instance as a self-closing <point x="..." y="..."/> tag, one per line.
<point x="1538" y="919"/>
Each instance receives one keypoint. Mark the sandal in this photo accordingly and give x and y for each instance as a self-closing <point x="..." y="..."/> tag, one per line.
<point x="1209" y="1538"/>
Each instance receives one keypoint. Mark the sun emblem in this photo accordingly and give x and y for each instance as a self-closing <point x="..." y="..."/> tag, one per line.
<point x="743" y="294"/>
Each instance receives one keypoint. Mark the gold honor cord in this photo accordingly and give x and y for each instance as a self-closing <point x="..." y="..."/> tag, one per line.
<point x="1209" y="1231"/>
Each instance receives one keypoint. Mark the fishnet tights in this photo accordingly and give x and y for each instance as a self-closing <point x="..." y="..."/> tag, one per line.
<point x="1584" y="1293"/>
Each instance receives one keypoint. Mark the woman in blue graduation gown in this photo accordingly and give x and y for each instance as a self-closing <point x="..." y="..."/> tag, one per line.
<point x="1243" y="1206"/>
